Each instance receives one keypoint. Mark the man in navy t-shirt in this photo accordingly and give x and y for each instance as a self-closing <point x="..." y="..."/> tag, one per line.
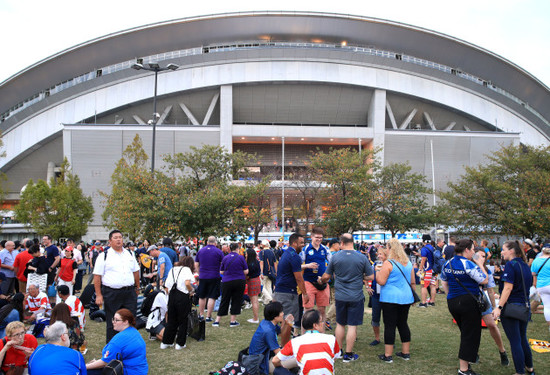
<point x="289" y="277"/>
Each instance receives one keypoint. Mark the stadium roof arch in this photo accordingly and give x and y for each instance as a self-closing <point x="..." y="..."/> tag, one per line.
<point x="95" y="77"/>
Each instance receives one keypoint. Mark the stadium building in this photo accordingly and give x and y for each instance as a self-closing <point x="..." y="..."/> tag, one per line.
<point x="251" y="81"/>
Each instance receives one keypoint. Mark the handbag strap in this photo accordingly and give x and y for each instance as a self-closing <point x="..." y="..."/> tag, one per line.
<point x="402" y="273"/>
<point x="523" y="283"/>
<point x="542" y="265"/>
<point x="460" y="282"/>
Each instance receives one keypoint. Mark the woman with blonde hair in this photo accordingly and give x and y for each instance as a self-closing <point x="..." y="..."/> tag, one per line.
<point x="396" y="277"/>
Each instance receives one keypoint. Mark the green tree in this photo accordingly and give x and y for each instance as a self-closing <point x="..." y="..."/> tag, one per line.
<point x="402" y="199"/>
<point x="204" y="198"/>
<point x="257" y="211"/>
<point x="350" y="188"/>
<point x="509" y="195"/>
<point x="58" y="208"/>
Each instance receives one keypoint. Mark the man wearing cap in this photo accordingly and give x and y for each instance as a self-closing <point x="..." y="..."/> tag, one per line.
<point x="268" y="271"/>
<point x="167" y="249"/>
<point x="164" y="264"/>
<point x="20" y="263"/>
<point x="7" y="257"/>
<point x="116" y="280"/>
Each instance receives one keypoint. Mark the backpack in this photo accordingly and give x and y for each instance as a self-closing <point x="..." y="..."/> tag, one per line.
<point x="439" y="260"/>
<point x="150" y="293"/>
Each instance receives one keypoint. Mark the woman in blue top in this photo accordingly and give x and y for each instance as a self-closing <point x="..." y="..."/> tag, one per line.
<point x="127" y="345"/>
<point x="540" y="269"/>
<point x="517" y="280"/>
<point x="394" y="276"/>
<point x="461" y="279"/>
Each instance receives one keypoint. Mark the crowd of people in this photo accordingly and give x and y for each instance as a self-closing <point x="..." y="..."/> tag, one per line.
<point x="306" y="290"/>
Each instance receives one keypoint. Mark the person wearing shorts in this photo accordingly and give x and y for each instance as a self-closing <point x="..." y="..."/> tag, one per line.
<point x="289" y="278"/>
<point x="315" y="258"/>
<point x="430" y="280"/>
<point x="208" y="262"/>
<point x="350" y="270"/>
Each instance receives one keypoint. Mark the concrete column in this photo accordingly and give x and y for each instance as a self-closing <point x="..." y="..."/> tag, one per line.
<point x="377" y="120"/>
<point x="226" y="117"/>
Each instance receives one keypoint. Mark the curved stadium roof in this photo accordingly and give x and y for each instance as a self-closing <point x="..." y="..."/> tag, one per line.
<point x="310" y="27"/>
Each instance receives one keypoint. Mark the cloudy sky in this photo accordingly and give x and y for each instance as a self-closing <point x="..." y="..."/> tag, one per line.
<point x="32" y="30"/>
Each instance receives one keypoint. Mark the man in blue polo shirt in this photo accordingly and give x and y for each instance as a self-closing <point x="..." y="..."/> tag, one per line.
<point x="289" y="277"/>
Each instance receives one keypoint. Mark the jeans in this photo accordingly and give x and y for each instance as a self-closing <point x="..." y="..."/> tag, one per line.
<point x="516" y="332"/>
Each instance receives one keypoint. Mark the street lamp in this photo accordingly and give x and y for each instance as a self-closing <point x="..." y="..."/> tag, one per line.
<point x="154" y="67"/>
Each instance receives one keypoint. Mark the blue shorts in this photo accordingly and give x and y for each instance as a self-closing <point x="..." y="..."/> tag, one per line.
<point x="350" y="313"/>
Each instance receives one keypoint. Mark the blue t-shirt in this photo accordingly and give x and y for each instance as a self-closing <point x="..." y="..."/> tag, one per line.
<point x="427" y="252"/>
<point x="131" y="348"/>
<point x="51" y="252"/>
<point x="164" y="259"/>
<point x="397" y="290"/>
<point x="171" y="254"/>
<point x="50" y="359"/>
<point x="512" y="274"/>
<point x="268" y="257"/>
<point x="264" y="340"/>
<point x="469" y="274"/>
<point x="290" y="262"/>
<point x="321" y="256"/>
<point x="543" y="277"/>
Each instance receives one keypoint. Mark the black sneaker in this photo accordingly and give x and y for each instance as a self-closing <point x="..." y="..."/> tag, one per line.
<point x="374" y="343"/>
<point x="431" y="304"/>
<point x="467" y="372"/>
<point x="383" y="357"/>
<point x="423" y="305"/>
<point x="404" y="356"/>
<point x="504" y="361"/>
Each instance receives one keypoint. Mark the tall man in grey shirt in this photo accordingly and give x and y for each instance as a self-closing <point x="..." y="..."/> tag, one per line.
<point x="351" y="270"/>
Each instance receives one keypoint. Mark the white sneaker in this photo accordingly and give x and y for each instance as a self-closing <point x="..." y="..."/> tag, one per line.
<point x="165" y="346"/>
<point x="180" y="347"/>
<point x="253" y="321"/>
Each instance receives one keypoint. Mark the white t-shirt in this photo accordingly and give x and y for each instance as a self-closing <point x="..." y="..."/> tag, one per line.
<point x="117" y="271"/>
<point x="179" y="274"/>
<point x="158" y="310"/>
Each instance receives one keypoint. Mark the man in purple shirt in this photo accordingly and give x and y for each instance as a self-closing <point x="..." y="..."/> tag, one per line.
<point x="208" y="262"/>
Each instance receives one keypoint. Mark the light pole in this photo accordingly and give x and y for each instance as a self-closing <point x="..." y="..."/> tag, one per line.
<point x="154" y="67"/>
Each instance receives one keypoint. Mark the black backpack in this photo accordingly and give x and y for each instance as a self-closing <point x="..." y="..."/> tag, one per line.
<point x="150" y="294"/>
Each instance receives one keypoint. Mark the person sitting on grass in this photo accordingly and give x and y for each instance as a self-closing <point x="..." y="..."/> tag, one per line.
<point x="264" y="341"/>
<point x="314" y="351"/>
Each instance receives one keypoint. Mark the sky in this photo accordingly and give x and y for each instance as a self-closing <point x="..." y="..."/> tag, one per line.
<point x="519" y="31"/>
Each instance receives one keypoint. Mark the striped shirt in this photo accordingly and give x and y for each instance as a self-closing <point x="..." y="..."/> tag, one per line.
<point x="77" y="309"/>
<point x="41" y="301"/>
<point x="314" y="352"/>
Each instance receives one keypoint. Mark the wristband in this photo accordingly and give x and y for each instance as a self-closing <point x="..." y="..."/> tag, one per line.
<point x="499" y="307"/>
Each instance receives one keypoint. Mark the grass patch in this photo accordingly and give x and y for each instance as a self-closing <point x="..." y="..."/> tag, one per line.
<point x="434" y="347"/>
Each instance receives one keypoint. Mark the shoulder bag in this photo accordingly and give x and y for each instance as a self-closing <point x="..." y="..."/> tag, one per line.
<point x="415" y="296"/>
<point x="518" y="311"/>
<point x="480" y="299"/>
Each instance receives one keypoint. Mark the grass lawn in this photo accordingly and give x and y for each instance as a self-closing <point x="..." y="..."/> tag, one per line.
<point x="434" y="347"/>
